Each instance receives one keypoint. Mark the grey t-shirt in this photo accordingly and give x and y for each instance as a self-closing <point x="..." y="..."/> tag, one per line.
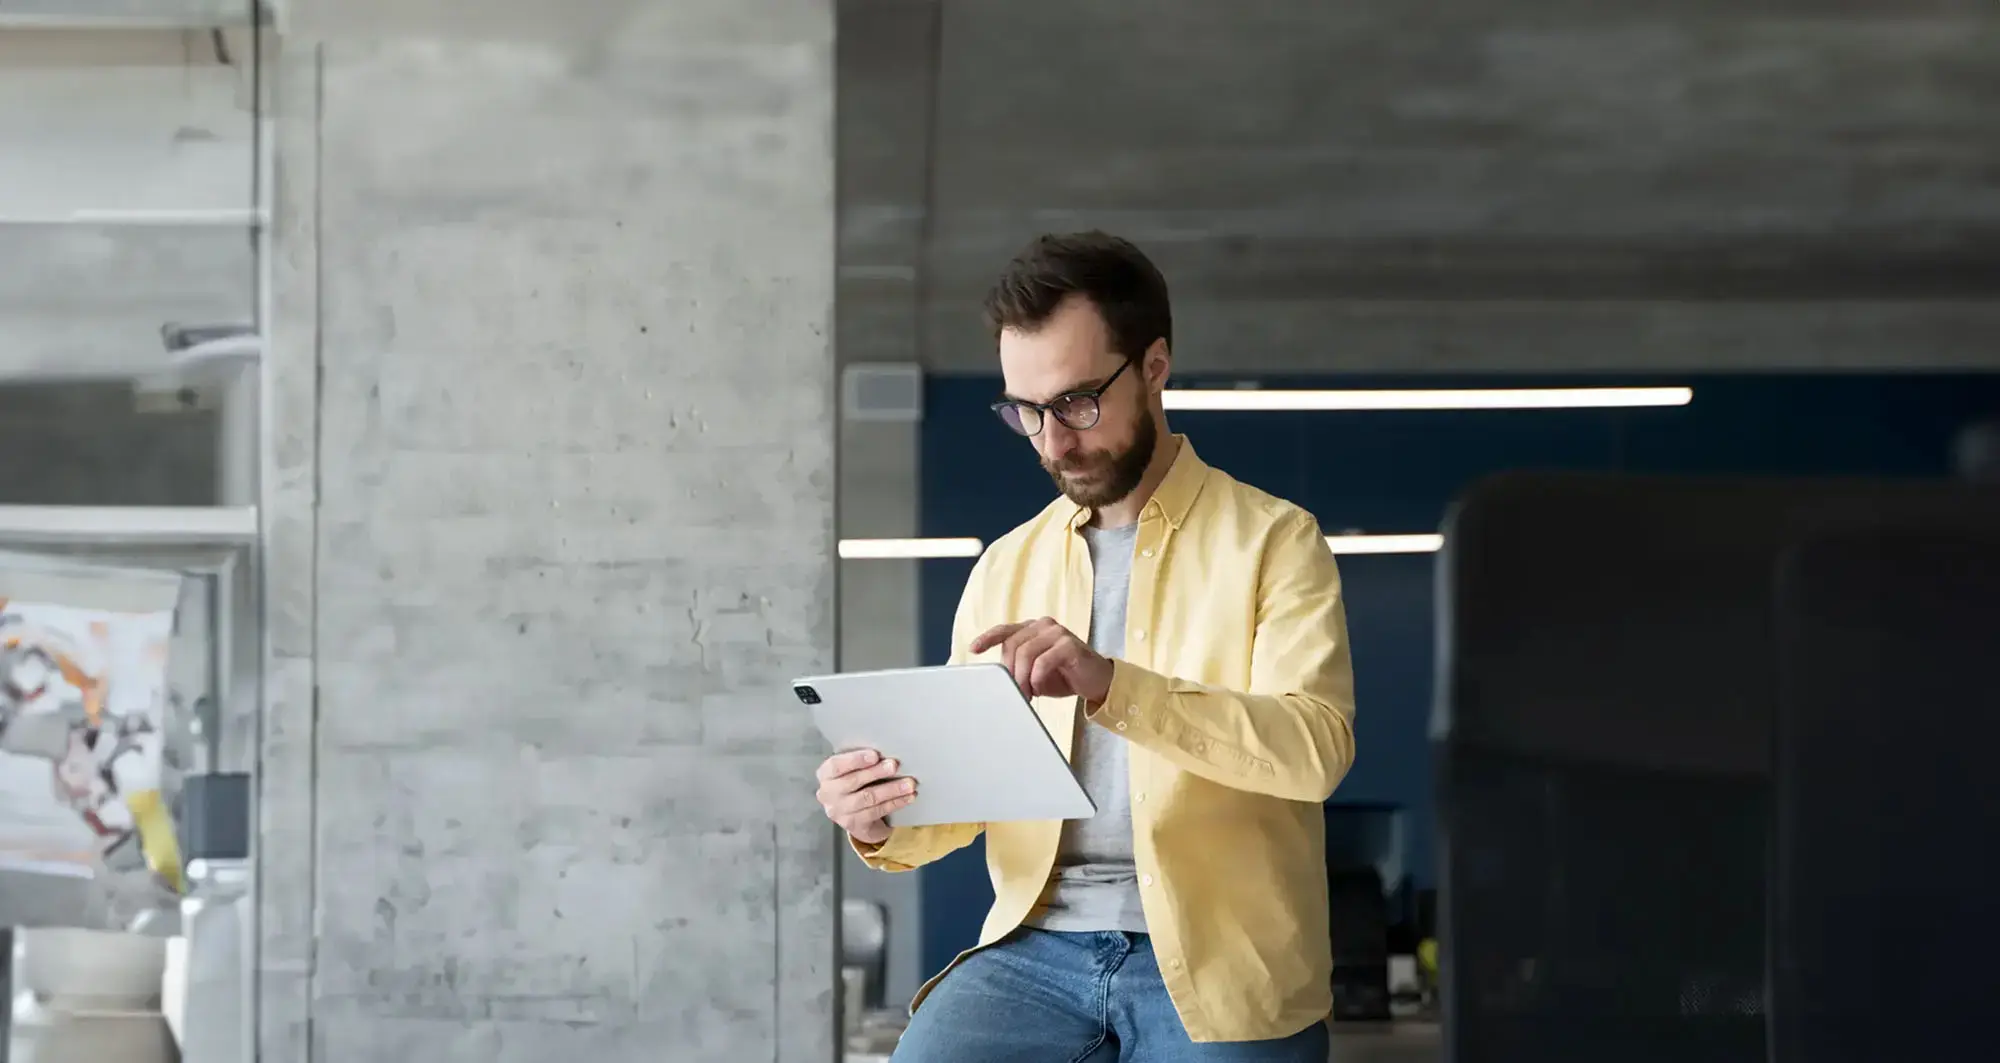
<point x="1096" y="886"/>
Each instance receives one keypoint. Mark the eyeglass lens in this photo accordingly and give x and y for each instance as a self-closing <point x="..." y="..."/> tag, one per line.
<point x="1077" y="413"/>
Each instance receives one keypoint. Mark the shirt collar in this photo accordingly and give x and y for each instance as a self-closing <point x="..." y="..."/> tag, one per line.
<point x="1175" y="495"/>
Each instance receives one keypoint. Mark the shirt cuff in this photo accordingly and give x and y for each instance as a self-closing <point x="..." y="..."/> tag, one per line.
<point x="897" y="853"/>
<point x="1140" y="708"/>
<point x="1136" y="697"/>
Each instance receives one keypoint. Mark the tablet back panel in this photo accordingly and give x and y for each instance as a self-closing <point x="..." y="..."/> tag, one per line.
<point x="964" y="732"/>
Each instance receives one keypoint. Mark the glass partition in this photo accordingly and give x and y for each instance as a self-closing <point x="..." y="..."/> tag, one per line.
<point x="132" y="242"/>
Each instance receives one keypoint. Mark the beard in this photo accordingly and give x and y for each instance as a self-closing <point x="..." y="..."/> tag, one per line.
<point x="1094" y="479"/>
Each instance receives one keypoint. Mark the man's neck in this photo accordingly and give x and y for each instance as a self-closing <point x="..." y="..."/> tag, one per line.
<point x="1126" y="510"/>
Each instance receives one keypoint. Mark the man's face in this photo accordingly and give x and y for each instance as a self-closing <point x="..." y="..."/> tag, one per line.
<point x="1101" y="464"/>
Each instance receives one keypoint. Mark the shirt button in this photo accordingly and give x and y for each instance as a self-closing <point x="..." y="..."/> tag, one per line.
<point x="1138" y="798"/>
<point x="1121" y="725"/>
<point x="1147" y="552"/>
<point x="1145" y="880"/>
<point x="1140" y="635"/>
<point x="1175" y="963"/>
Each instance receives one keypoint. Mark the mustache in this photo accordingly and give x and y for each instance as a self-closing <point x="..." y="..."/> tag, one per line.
<point x="1075" y="462"/>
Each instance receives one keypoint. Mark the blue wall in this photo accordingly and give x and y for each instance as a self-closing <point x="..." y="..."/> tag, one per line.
<point x="1397" y="472"/>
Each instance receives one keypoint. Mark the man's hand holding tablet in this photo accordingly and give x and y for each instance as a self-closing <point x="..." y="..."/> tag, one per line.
<point x="859" y="789"/>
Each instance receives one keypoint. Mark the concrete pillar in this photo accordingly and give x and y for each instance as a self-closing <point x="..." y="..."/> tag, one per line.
<point x="549" y="523"/>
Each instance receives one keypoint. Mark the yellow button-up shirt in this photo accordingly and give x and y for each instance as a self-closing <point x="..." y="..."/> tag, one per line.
<point x="1236" y="692"/>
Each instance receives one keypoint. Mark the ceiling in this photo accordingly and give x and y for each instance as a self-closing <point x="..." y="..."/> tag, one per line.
<point x="1377" y="185"/>
<point x="1472" y="185"/>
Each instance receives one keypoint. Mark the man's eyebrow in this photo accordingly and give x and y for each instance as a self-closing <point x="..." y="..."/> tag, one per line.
<point x="1088" y="385"/>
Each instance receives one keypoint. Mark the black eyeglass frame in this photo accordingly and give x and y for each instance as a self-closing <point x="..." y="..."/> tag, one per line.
<point x="1046" y="410"/>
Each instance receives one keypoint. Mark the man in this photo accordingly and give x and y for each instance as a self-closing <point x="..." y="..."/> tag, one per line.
<point x="1184" y="636"/>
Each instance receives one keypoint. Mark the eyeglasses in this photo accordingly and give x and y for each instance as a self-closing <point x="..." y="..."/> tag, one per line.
<point x="1077" y="410"/>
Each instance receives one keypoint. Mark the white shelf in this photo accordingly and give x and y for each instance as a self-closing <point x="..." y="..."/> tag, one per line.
<point x="129" y="525"/>
<point x="227" y="218"/>
<point x="124" y="14"/>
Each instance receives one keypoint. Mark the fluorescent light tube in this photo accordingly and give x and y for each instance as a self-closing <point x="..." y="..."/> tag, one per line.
<point x="1428" y="399"/>
<point x="886" y="549"/>
<point x="1385" y="544"/>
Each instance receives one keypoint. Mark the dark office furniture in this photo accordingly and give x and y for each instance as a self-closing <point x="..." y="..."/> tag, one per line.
<point x="1359" y="911"/>
<point x="1884" y="931"/>
<point x="1604" y="748"/>
<point x="216" y="816"/>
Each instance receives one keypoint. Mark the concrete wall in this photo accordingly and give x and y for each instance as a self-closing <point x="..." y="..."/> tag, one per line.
<point x="547" y="541"/>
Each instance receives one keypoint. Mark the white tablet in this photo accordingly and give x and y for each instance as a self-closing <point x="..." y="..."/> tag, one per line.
<point x="964" y="732"/>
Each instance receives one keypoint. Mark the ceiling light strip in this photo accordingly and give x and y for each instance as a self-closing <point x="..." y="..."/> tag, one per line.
<point x="892" y="549"/>
<point x="1385" y="544"/>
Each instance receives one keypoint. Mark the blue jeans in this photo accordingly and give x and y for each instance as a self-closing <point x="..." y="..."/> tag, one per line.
<point x="1046" y="997"/>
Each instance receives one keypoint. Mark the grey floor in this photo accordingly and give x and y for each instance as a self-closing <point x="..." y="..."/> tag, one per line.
<point x="1403" y="1042"/>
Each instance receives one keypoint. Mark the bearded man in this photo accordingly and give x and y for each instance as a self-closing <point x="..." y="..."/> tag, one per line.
<point x="1190" y="629"/>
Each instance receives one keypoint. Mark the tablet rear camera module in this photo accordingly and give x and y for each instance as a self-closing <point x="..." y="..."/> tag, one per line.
<point x="807" y="695"/>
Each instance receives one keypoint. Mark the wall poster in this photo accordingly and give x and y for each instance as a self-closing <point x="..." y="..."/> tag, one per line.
<point x="87" y="829"/>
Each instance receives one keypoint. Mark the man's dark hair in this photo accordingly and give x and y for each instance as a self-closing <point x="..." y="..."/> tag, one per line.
<point x="1115" y="276"/>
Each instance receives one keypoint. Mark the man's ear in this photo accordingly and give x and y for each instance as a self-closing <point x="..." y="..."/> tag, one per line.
<point x="1157" y="364"/>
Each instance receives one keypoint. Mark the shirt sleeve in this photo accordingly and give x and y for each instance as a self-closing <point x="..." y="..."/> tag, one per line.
<point x="1291" y="735"/>
<point x="909" y="848"/>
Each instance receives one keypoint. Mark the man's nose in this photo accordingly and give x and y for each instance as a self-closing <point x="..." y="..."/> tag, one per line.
<point x="1058" y="440"/>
